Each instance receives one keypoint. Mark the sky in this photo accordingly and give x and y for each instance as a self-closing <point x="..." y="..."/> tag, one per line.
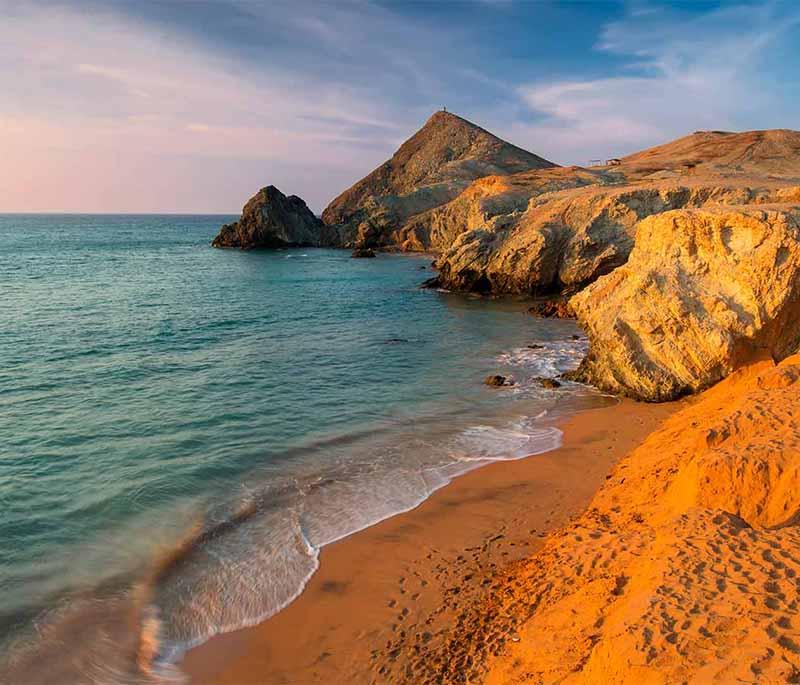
<point x="138" y="106"/>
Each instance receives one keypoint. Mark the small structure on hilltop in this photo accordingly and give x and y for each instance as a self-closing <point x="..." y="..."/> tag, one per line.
<point x="614" y="161"/>
<point x="595" y="162"/>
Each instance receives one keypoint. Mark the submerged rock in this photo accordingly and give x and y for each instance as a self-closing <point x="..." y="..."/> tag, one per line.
<point x="498" y="381"/>
<point x="549" y="383"/>
<point x="270" y="219"/>
<point x="430" y="283"/>
<point x="557" y="308"/>
<point x="704" y="291"/>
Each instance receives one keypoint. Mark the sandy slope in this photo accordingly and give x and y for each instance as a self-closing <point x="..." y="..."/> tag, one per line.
<point x="388" y="596"/>
<point x="684" y="569"/>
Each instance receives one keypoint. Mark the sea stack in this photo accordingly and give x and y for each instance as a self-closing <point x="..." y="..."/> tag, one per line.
<point x="272" y="220"/>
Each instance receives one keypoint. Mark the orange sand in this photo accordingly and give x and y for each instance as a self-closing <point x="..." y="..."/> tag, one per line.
<point x="407" y="581"/>
<point x="686" y="566"/>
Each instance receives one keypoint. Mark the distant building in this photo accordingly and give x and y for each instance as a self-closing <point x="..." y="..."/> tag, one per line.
<point x="614" y="161"/>
<point x="595" y="162"/>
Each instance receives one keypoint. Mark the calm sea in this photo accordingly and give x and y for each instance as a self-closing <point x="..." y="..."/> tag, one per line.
<point x="183" y="428"/>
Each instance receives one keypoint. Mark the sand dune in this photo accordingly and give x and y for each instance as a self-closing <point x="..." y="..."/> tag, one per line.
<point x="685" y="566"/>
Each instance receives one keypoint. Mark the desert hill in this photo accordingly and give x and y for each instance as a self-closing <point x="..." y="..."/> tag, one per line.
<point x="770" y="153"/>
<point x="429" y="169"/>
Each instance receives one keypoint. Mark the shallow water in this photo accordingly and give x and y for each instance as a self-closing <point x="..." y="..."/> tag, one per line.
<point x="183" y="428"/>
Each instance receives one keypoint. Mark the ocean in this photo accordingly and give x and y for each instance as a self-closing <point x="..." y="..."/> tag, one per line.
<point x="184" y="428"/>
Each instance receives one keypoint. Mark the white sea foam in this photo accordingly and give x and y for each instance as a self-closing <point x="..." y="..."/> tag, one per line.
<point x="257" y="569"/>
<point x="250" y="567"/>
<point x="488" y="443"/>
<point x="550" y="358"/>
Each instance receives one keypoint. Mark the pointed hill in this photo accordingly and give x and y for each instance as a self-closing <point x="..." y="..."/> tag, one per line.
<point x="429" y="169"/>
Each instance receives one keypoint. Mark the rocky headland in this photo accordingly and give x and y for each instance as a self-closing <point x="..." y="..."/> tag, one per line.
<point x="430" y="169"/>
<point x="680" y="260"/>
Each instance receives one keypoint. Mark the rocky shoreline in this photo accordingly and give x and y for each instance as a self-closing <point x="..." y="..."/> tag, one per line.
<point x="679" y="261"/>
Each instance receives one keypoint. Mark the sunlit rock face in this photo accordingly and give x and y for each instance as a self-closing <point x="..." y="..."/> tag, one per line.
<point x="557" y="230"/>
<point x="703" y="292"/>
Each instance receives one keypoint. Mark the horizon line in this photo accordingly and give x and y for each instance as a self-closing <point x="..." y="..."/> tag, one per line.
<point x="58" y="213"/>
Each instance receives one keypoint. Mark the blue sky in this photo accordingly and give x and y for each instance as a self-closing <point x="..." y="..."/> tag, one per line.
<point x="180" y="106"/>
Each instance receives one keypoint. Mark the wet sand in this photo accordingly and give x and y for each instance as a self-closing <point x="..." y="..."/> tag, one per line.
<point x="385" y="597"/>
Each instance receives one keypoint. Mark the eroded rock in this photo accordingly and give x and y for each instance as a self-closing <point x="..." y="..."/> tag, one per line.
<point x="498" y="381"/>
<point x="703" y="292"/>
<point x="430" y="169"/>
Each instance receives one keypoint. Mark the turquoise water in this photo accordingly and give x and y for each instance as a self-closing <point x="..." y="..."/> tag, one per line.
<point x="183" y="428"/>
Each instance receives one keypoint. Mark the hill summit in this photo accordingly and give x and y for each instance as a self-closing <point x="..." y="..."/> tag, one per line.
<point x="429" y="169"/>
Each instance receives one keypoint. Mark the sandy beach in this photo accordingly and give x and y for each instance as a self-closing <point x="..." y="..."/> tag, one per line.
<point x="382" y="592"/>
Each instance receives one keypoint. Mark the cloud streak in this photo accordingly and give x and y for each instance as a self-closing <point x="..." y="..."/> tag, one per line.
<point x="685" y="73"/>
<point x="168" y="107"/>
<point x="108" y="92"/>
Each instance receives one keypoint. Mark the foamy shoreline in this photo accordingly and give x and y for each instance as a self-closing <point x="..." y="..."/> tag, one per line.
<point x="514" y="496"/>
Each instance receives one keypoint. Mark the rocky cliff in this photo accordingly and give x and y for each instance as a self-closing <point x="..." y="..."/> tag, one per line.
<point x="428" y="170"/>
<point x="561" y="229"/>
<point x="704" y="291"/>
<point x="272" y="220"/>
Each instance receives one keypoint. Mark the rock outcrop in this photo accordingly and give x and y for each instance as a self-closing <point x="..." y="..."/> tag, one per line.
<point x="703" y="291"/>
<point x="555" y="308"/>
<point x="567" y="239"/>
<point x="428" y="170"/>
<point x="498" y="381"/>
<point x="557" y="230"/>
<point x="272" y="220"/>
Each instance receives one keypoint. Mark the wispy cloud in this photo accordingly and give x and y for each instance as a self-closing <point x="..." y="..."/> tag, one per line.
<point x="112" y="89"/>
<point x="683" y="73"/>
<point x="134" y="106"/>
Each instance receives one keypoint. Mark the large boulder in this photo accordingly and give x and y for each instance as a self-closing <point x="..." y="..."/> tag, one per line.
<point x="272" y="220"/>
<point x="704" y="291"/>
